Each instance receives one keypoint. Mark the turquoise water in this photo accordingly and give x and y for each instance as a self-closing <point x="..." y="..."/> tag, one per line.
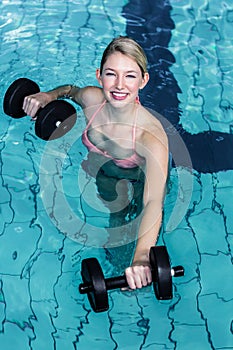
<point x="190" y="50"/>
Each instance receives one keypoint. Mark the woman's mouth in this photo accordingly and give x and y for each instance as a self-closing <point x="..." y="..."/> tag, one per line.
<point x="119" y="96"/>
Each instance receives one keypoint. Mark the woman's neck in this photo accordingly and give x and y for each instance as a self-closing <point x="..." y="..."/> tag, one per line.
<point x="121" y="115"/>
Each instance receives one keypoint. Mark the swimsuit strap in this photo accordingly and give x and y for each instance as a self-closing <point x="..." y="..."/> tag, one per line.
<point x="95" y="114"/>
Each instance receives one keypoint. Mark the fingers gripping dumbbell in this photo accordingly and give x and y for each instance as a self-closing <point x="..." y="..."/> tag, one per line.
<point x="96" y="286"/>
<point x="52" y="121"/>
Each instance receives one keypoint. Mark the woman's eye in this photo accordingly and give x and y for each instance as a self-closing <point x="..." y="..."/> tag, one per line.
<point x="110" y="74"/>
<point x="131" y="76"/>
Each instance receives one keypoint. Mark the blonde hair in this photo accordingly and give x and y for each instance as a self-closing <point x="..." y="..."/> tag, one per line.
<point x="128" y="47"/>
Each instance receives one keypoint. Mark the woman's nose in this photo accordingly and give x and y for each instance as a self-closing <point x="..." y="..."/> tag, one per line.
<point x="120" y="82"/>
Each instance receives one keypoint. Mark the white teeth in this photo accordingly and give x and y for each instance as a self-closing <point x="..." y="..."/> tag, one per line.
<point x="120" y="94"/>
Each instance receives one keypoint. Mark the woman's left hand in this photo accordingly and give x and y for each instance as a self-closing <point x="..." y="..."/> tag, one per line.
<point x="138" y="276"/>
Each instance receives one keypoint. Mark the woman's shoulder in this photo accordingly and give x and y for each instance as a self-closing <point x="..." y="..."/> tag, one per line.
<point x="91" y="96"/>
<point x="150" y="123"/>
<point x="150" y="134"/>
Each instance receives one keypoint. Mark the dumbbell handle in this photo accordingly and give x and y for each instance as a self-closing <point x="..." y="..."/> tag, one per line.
<point x="121" y="281"/>
<point x="111" y="283"/>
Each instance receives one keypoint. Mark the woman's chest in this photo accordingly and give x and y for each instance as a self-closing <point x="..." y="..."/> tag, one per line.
<point x="116" y="140"/>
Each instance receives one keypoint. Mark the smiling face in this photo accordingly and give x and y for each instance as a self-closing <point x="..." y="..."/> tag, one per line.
<point x="121" y="79"/>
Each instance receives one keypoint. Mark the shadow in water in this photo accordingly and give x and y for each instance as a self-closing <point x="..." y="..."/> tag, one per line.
<point x="151" y="25"/>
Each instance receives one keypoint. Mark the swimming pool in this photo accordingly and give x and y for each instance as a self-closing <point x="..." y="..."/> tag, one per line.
<point x="189" y="48"/>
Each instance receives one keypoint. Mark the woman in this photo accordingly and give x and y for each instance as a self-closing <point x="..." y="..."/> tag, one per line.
<point x="124" y="132"/>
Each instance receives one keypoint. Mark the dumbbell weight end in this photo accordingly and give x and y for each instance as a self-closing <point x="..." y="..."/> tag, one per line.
<point x="177" y="271"/>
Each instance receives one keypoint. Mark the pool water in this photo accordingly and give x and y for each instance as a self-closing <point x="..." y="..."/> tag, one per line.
<point x="189" y="48"/>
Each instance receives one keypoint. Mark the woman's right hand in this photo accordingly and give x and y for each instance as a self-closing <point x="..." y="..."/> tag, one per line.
<point x="138" y="276"/>
<point x="32" y="103"/>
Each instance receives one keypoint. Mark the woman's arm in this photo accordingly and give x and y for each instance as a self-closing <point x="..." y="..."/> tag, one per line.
<point x="32" y="103"/>
<point x="82" y="96"/>
<point x="155" y="151"/>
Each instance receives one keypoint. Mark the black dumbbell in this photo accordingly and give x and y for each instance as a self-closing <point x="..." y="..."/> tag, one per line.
<point x="96" y="286"/>
<point x="52" y="121"/>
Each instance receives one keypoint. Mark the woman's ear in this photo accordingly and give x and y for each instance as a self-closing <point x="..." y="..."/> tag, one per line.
<point x="145" y="80"/>
<point x="98" y="76"/>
